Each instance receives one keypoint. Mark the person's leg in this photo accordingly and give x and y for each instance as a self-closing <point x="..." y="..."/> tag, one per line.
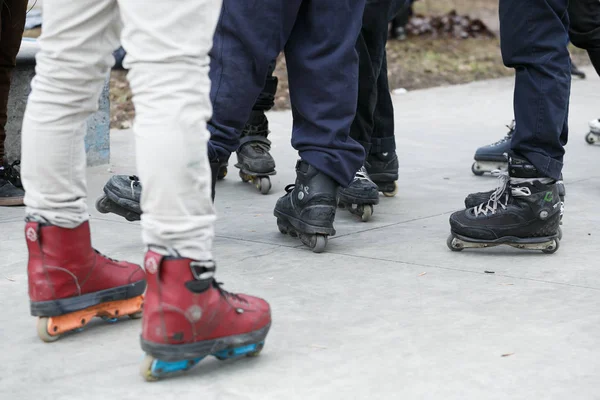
<point x="65" y="274"/>
<point x="187" y="315"/>
<point x="584" y="30"/>
<point x="248" y="37"/>
<point x="534" y="38"/>
<point x="525" y="210"/>
<point x="382" y="161"/>
<point x="254" y="160"/>
<point x="12" y="23"/>
<point x="323" y="65"/>
<point x="323" y="75"/>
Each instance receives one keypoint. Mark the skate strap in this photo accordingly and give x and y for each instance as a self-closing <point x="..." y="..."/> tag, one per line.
<point x="259" y="139"/>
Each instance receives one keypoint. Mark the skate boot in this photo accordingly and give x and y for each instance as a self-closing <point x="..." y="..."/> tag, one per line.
<point x="254" y="161"/>
<point x="70" y="282"/>
<point x="307" y="210"/>
<point x="593" y="136"/>
<point x="11" y="190"/>
<point x="360" y="196"/>
<point x="475" y="199"/>
<point x="523" y="212"/>
<point x="492" y="157"/>
<point x="383" y="171"/>
<point x="122" y="194"/>
<point x="188" y="316"/>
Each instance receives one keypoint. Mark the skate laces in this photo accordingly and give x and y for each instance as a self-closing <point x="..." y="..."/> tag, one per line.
<point x="104" y="256"/>
<point x="11" y="173"/>
<point x="501" y="195"/>
<point x="362" y="174"/>
<point x="135" y="181"/>
<point x="226" y="294"/>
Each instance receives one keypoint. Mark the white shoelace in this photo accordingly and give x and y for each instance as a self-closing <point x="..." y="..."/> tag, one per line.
<point x="500" y="196"/>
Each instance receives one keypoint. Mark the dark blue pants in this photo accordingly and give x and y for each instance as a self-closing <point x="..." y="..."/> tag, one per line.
<point x="318" y="38"/>
<point x="534" y="37"/>
<point x="373" y="125"/>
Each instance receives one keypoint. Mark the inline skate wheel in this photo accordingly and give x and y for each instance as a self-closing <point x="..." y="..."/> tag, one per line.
<point x="475" y="169"/>
<point x="590" y="138"/>
<point x="393" y="192"/>
<point x="367" y="213"/>
<point x="256" y="352"/>
<point x="452" y="245"/>
<point x="318" y="243"/>
<point x="551" y="249"/>
<point x="101" y="204"/>
<point x="42" y="330"/>
<point x="245" y="178"/>
<point x="146" y="369"/>
<point x="264" y="185"/>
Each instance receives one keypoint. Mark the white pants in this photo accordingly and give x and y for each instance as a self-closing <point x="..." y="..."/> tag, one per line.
<point x="167" y="44"/>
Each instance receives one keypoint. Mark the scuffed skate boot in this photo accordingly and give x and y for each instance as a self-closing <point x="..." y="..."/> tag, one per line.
<point x="475" y="199"/>
<point x="383" y="171"/>
<point x="122" y="194"/>
<point x="188" y="316"/>
<point x="308" y="208"/>
<point x="70" y="282"/>
<point x="360" y="196"/>
<point x="523" y="212"/>
<point x="254" y="160"/>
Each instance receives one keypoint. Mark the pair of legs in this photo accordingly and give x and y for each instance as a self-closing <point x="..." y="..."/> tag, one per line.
<point x="12" y="23"/>
<point x="185" y="313"/>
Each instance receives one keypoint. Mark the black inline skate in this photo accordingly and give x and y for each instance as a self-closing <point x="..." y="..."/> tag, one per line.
<point x="593" y="136"/>
<point x="308" y="208"/>
<point x="254" y="161"/>
<point x="123" y="193"/>
<point x="360" y="196"/>
<point x="523" y="212"/>
<point x="475" y="199"/>
<point x="383" y="171"/>
<point x="492" y="157"/>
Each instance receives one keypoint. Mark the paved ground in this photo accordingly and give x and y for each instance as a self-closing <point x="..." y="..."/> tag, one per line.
<point x="387" y="312"/>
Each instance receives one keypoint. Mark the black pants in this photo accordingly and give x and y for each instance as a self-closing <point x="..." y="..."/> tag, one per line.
<point x="585" y="28"/>
<point x="373" y="125"/>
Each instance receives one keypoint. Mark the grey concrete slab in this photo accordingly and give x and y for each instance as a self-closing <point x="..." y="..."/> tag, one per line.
<point x="387" y="311"/>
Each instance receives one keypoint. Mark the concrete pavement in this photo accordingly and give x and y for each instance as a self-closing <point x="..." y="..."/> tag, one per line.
<point x="387" y="312"/>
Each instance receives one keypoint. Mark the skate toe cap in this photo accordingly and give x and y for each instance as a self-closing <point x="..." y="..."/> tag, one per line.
<point x="137" y="273"/>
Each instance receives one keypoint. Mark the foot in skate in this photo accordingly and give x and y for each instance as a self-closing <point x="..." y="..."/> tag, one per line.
<point x="307" y="210"/>
<point x="492" y="157"/>
<point x="523" y="212"/>
<point x="475" y="199"/>
<point x="189" y="316"/>
<point x="593" y="137"/>
<point x="383" y="171"/>
<point x="70" y="283"/>
<point x="360" y="196"/>
<point x="254" y="160"/>
<point x="122" y="194"/>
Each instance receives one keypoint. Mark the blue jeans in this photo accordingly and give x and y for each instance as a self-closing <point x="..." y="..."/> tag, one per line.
<point x="534" y="37"/>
